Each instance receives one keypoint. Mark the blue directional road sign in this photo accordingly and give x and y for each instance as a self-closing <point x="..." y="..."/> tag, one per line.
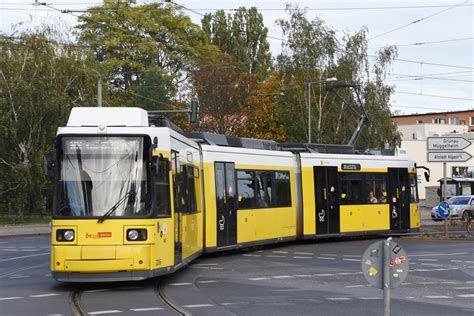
<point x="443" y="210"/>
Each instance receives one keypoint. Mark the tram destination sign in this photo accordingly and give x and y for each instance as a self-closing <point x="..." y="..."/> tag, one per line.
<point x="447" y="143"/>
<point x="448" y="156"/>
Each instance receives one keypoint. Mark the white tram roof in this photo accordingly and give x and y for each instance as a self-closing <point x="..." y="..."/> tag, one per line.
<point x="107" y="116"/>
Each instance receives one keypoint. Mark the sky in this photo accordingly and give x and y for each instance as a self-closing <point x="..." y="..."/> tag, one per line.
<point x="434" y="71"/>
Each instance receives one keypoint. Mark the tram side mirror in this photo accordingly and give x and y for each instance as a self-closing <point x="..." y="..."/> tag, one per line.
<point x="49" y="164"/>
<point x="160" y="166"/>
<point x="427" y="176"/>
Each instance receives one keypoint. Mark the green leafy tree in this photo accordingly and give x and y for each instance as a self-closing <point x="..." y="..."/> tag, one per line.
<point x="312" y="53"/>
<point x="129" y="40"/>
<point x="153" y="91"/>
<point x="242" y="35"/>
<point x="40" y="81"/>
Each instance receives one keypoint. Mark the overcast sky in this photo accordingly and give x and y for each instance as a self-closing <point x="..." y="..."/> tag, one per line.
<point x="445" y="87"/>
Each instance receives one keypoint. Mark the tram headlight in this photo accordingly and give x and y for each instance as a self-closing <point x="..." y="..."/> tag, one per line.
<point x="65" y="235"/>
<point x="136" y="234"/>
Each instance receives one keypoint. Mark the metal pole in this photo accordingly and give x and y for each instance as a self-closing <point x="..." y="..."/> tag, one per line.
<point x="445" y="197"/>
<point x="309" y="112"/>
<point x="386" y="276"/>
<point x="99" y="92"/>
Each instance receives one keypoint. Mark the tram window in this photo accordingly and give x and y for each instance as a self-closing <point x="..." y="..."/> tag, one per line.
<point x="246" y="189"/>
<point x="413" y="189"/>
<point x="263" y="189"/>
<point x="162" y="190"/>
<point x="183" y="186"/>
<point x="351" y="188"/>
<point x="282" y="189"/>
<point x="376" y="188"/>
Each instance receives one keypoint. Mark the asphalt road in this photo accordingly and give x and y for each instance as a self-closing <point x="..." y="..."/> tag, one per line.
<point x="304" y="278"/>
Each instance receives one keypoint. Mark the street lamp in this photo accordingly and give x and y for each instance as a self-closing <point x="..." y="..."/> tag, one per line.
<point x="309" y="100"/>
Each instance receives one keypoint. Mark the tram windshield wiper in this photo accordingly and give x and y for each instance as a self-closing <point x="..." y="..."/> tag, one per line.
<point x="115" y="206"/>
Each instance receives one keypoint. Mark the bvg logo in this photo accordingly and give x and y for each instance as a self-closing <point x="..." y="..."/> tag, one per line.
<point x="99" y="235"/>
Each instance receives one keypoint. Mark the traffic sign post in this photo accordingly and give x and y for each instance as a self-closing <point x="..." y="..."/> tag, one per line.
<point x="447" y="149"/>
<point x="385" y="266"/>
<point x="443" y="210"/>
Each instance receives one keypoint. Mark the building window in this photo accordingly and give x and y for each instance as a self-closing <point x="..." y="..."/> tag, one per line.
<point x="419" y="122"/>
<point x="471" y="120"/>
<point x="440" y="121"/>
<point x="454" y="121"/>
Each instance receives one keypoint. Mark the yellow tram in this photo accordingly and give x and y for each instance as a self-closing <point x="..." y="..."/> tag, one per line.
<point x="135" y="198"/>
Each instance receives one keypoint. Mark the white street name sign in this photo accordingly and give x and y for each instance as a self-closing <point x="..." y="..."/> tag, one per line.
<point x="448" y="157"/>
<point x="447" y="143"/>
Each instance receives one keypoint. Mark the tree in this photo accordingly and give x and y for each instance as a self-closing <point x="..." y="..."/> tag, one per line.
<point x="243" y="36"/>
<point x="311" y="53"/>
<point x="260" y="112"/>
<point x="130" y="40"/>
<point x="153" y="93"/>
<point x="40" y="81"/>
<point x="222" y="89"/>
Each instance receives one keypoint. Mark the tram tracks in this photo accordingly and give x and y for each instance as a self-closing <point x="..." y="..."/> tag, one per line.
<point x="164" y="298"/>
<point x="75" y="300"/>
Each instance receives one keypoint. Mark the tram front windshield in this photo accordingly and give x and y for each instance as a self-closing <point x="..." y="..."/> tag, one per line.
<point x="101" y="175"/>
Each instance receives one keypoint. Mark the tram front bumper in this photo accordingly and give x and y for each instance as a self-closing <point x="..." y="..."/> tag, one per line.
<point x="100" y="259"/>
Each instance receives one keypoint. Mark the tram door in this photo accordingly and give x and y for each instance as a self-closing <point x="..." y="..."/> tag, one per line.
<point x="399" y="198"/>
<point x="327" y="206"/>
<point x="177" y="180"/>
<point x="226" y="204"/>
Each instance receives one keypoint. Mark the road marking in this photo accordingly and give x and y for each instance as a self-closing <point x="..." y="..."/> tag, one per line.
<point x="456" y="260"/>
<point x="370" y="298"/>
<point x="346" y="273"/>
<point x="279" y="251"/>
<point x="347" y="259"/>
<point x="98" y="290"/>
<point x="10" y="298"/>
<point x="249" y="255"/>
<point x="276" y="256"/>
<point x="427" y="259"/>
<point x="302" y="275"/>
<point x="22" y="257"/>
<point x="409" y="297"/>
<point x="296" y="257"/>
<point x="466" y="295"/>
<point x="339" y="298"/>
<point x="258" y="279"/>
<point x="179" y="284"/>
<point x="426" y="283"/>
<point x="20" y="277"/>
<point x="468" y="261"/>
<point x="146" y="309"/>
<point x="437" y="296"/>
<point x="464" y="288"/>
<point x="359" y="285"/>
<point x="469" y="281"/>
<point x="113" y="311"/>
<point x="324" y="274"/>
<point x="23" y="269"/>
<point x="45" y="295"/>
<point x="209" y="281"/>
<point x="326" y="258"/>
<point x="354" y="256"/>
<point x="304" y="253"/>
<point x="233" y="303"/>
<point x="441" y="254"/>
<point x="328" y="254"/>
<point x="205" y="264"/>
<point x="282" y="277"/>
<point x="198" y="305"/>
<point x="448" y="282"/>
<point x="212" y="268"/>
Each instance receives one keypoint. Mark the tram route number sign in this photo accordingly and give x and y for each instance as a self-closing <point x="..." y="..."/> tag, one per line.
<point x="373" y="264"/>
<point x="443" y="210"/>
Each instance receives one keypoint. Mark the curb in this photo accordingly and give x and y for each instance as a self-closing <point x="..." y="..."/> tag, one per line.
<point x="28" y="230"/>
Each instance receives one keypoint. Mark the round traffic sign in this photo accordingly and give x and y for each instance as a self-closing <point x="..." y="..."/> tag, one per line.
<point x="444" y="210"/>
<point x="373" y="264"/>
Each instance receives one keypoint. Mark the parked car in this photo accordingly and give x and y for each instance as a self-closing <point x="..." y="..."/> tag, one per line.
<point x="461" y="206"/>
